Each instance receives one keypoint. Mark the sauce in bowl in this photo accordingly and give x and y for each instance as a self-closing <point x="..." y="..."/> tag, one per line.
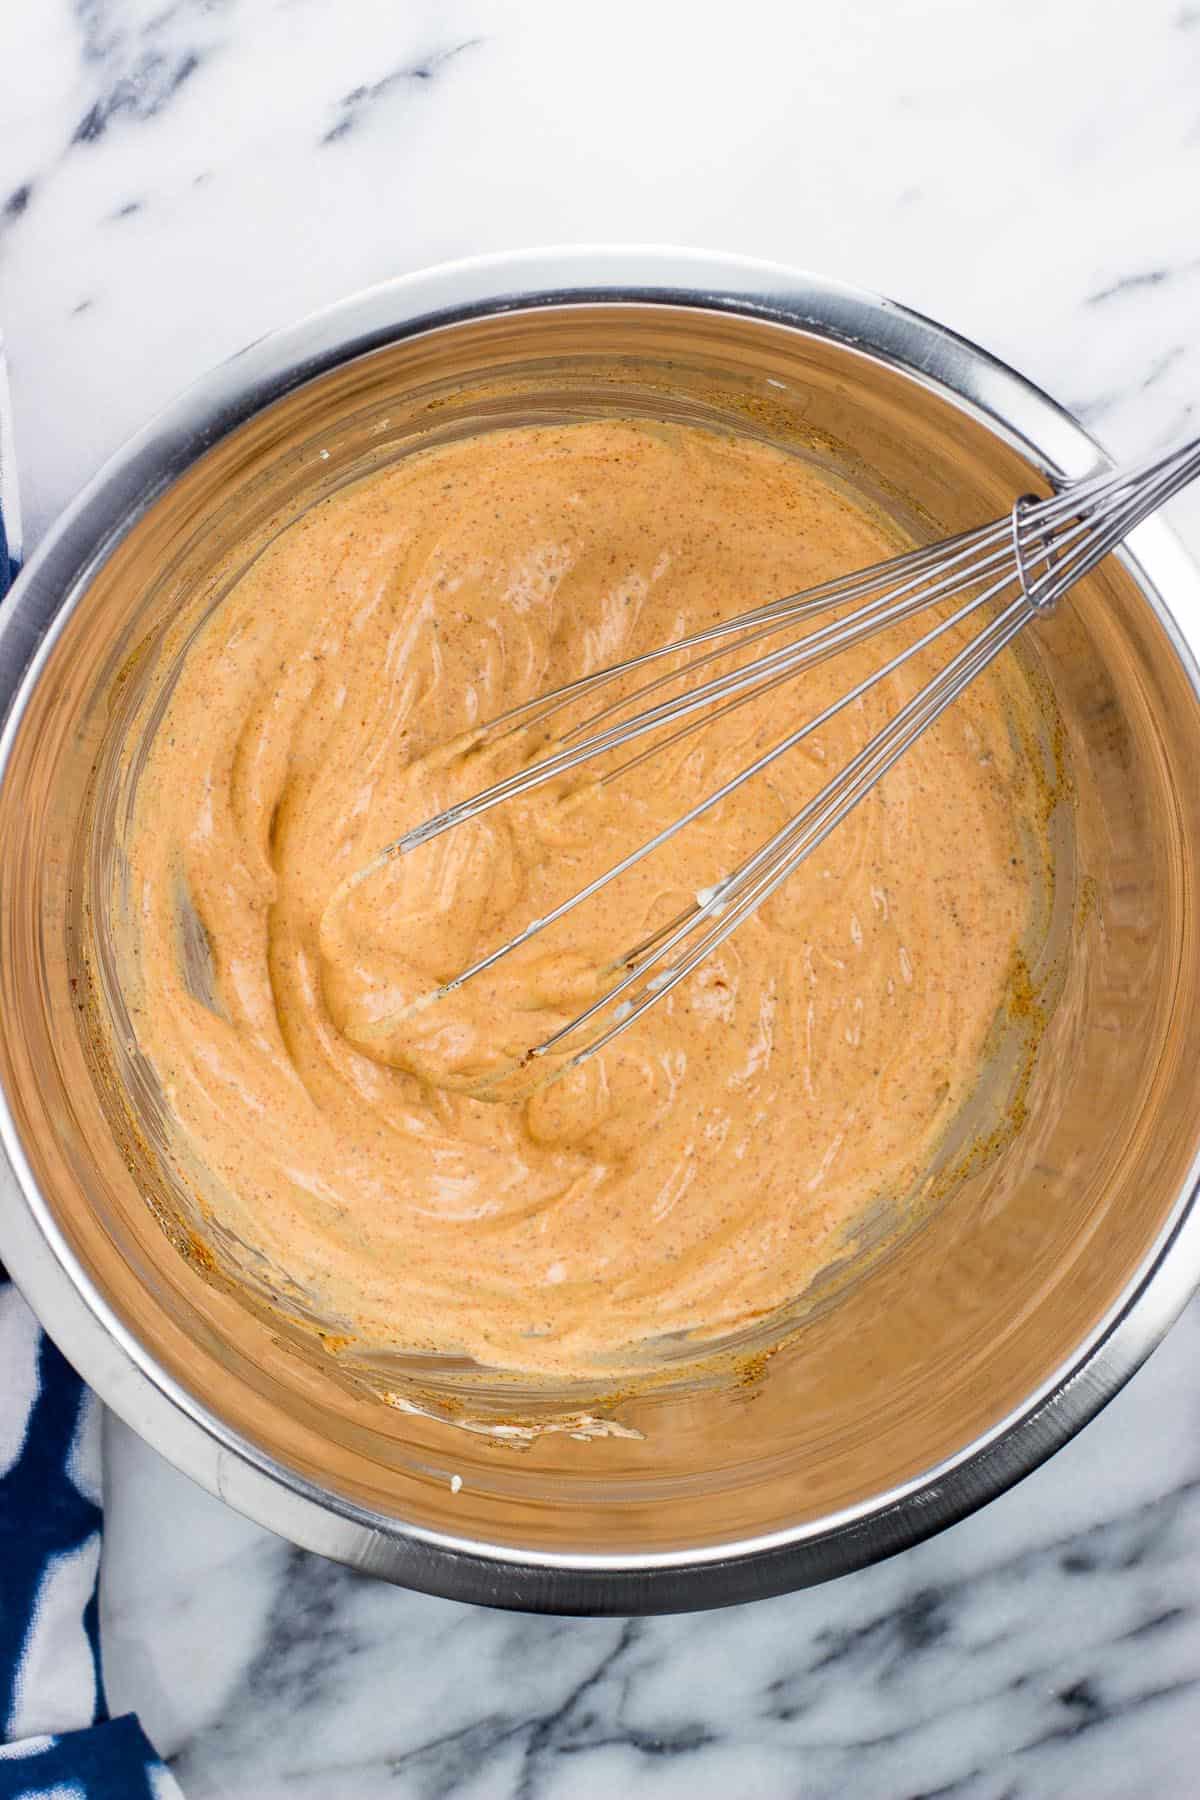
<point x="697" y="1175"/>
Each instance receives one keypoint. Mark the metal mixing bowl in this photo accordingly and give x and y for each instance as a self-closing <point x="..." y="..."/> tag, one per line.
<point x="953" y="1367"/>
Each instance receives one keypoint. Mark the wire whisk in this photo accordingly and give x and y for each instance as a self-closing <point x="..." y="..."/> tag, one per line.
<point x="1007" y="573"/>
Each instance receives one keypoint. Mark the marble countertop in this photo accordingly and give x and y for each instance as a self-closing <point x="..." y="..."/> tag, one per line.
<point x="179" y="176"/>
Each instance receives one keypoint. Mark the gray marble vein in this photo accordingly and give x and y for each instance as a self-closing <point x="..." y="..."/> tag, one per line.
<point x="1143" y="278"/>
<point x="356" y="106"/>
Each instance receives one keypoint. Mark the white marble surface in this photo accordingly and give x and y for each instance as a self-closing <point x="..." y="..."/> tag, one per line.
<point x="178" y="176"/>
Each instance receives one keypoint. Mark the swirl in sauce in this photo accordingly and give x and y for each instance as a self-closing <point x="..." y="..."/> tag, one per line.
<point x="697" y="1174"/>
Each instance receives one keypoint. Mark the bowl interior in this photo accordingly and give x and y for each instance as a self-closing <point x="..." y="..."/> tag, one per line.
<point x="925" y="1354"/>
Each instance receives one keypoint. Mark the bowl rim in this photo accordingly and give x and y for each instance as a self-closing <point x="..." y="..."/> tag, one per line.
<point x="32" y="1246"/>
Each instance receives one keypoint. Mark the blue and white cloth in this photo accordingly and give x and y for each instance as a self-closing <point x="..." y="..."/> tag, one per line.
<point x="57" y="1741"/>
<point x="10" y="517"/>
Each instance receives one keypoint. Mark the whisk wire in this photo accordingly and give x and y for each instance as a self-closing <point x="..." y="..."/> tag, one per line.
<point x="723" y="792"/>
<point x="1033" y="555"/>
<point x="900" y="601"/>
<point x="758" y="878"/>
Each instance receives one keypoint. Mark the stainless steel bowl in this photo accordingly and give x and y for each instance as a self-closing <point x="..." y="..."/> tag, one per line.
<point x="949" y="1370"/>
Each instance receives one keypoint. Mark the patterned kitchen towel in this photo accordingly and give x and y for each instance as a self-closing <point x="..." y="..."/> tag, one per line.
<point x="57" y="1741"/>
<point x="10" y="517"/>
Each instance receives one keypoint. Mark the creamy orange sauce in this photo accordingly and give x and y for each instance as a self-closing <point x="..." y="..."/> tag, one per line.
<point x="697" y="1174"/>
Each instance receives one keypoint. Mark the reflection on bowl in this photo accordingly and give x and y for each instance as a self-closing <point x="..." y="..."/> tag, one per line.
<point x="915" y="1387"/>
